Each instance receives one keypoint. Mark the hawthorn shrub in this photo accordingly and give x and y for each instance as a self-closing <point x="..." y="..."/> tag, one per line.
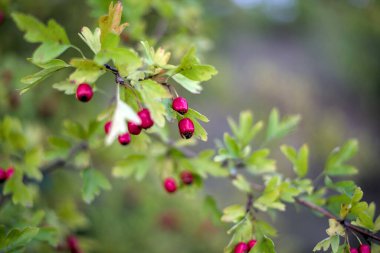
<point x="144" y="106"/>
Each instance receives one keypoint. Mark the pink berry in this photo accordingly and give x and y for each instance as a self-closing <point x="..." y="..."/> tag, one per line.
<point x="251" y="244"/>
<point x="365" y="248"/>
<point x="187" y="177"/>
<point x="354" y="250"/>
<point x="9" y="172"/>
<point x="180" y="105"/>
<point x="170" y="185"/>
<point x="107" y="127"/>
<point x="84" y="92"/>
<point x="241" y="247"/>
<point x="124" y="139"/>
<point x="146" y="120"/>
<point x="72" y="244"/>
<point x="186" y="128"/>
<point x="133" y="128"/>
<point x="3" y="175"/>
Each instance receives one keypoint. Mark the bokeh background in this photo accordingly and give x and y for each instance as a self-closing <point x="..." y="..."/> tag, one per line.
<point x="319" y="59"/>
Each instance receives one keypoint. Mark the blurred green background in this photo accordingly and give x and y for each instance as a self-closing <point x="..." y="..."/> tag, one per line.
<point x="320" y="59"/>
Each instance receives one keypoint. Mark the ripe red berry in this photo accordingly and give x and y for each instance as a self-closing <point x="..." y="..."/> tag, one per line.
<point x="9" y="172"/>
<point x="146" y="120"/>
<point x="3" y="175"/>
<point x="124" y="139"/>
<point x="241" y="247"/>
<point x="170" y="185"/>
<point x="354" y="250"/>
<point x="187" y="177"/>
<point x="251" y="244"/>
<point x="133" y="128"/>
<point x="365" y="248"/>
<point x="180" y="105"/>
<point x="186" y="128"/>
<point x="107" y="127"/>
<point x="72" y="244"/>
<point x="84" y="92"/>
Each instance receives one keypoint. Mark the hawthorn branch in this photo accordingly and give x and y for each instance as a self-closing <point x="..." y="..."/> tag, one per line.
<point x="365" y="233"/>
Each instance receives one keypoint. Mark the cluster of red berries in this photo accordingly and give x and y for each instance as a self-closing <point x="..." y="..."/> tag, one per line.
<point x="243" y="247"/>
<point x="133" y="128"/>
<point x="170" y="183"/>
<point x="6" y="174"/>
<point x="84" y="93"/>
<point x="364" y="248"/>
<point x="185" y="125"/>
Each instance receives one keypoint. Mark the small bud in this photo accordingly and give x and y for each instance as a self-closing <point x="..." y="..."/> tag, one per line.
<point x="107" y="127"/>
<point x="354" y="250"/>
<point x="251" y="244"/>
<point x="187" y="177"/>
<point x="9" y="172"/>
<point x="365" y="248"/>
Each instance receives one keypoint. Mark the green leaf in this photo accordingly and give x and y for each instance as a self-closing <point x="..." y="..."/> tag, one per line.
<point x="48" y="69"/>
<point x="323" y="245"/>
<point x="153" y="95"/>
<point x="32" y="161"/>
<point x="197" y="115"/>
<point x="242" y="184"/>
<point x="19" y="238"/>
<point x="74" y="129"/>
<point x="21" y="193"/>
<point x="190" y="85"/>
<point x="246" y="130"/>
<point x="125" y="60"/>
<point x="335" y="163"/>
<point x="67" y="86"/>
<point x="49" y="235"/>
<point x="35" y="31"/>
<point x="264" y="245"/>
<point x="299" y="161"/>
<point x="91" y="39"/>
<point x="277" y="129"/>
<point x="48" y="51"/>
<point x="258" y="162"/>
<point x="212" y="209"/>
<point x="263" y="229"/>
<point x="191" y="68"/>
<point x="86" y="70"/>
<point x="132" y="165"/>
<point x="233" y="213"/>
<point x="93" y="183"/>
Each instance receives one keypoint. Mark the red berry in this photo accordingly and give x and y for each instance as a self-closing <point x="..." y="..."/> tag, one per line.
<point x="186" y="128"/>
<point x="84" y="92"/>
<point x="180" y="105"/>
<point x="365" y="248"/>
<point x="72" y="244"/>
<point x="187" y="177"/>
<point x="354" y="250"/>
<point x="9" y="172"/>
<point x="133" y="128"/>
<point x="107" y="127"/>
<point x="241" y="247"/>
<point x="124" y="139"/>
<point x="251" y="244"/>
<point x="3" y="175"/>
<point x="146" y="120"/>
<point x="170" y="185"/>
